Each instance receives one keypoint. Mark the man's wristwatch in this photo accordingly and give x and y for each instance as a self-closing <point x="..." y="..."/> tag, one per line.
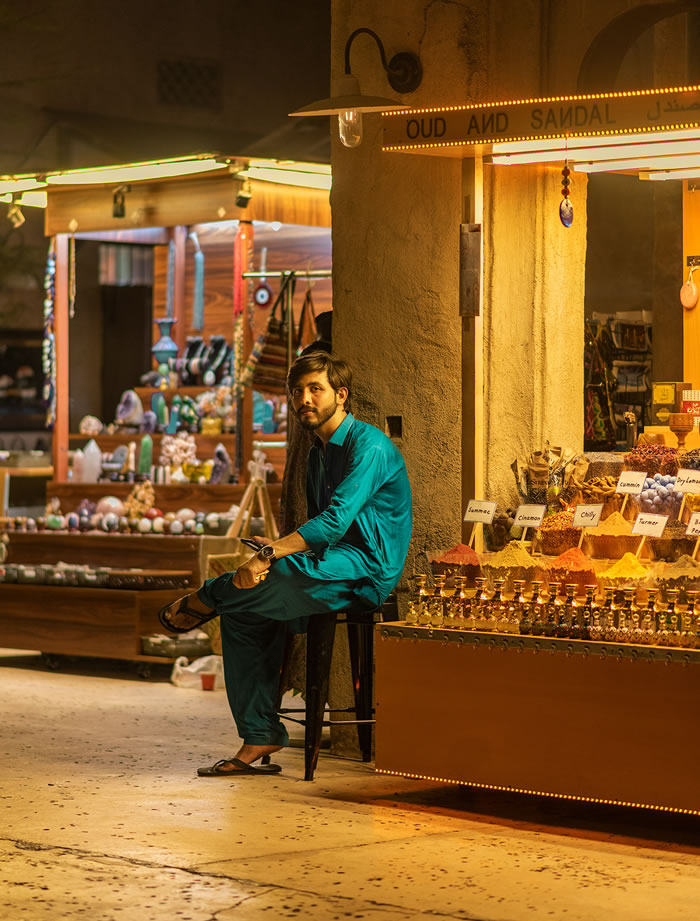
<point x="267" y="553"/>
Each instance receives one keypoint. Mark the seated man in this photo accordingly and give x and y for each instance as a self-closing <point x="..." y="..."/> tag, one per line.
<point x="349" y="555"/>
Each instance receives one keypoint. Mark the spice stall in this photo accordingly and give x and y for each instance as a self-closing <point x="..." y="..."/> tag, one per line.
<point x="567" y="662"/>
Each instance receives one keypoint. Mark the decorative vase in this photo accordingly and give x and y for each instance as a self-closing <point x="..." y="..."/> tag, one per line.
<point x="165" y="348"/>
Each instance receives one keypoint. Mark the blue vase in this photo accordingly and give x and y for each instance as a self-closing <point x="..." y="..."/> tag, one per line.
<point x="165" y="348"/>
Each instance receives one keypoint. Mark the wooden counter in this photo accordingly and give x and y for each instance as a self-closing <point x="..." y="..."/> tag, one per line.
<point x="571" y="718"/>
<point x="101" y="622"/>
<point x="104" y="622"/>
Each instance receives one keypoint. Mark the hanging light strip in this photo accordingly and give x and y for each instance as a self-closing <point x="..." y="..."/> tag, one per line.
<point x="581" y="97"/>
<point x="132" y="172"/>
<point x="544" y="144"/>
<point x="10" y="185"/>
<point x="661" y="175"/>
<point x="593" y="152"/>
<point x="686" y="161"/>
<point x="30" y="199"/>
<point x="306" y="180"/>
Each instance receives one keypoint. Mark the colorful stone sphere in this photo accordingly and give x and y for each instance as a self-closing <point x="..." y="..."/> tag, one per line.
<point x="110" y="522"/>
<point x="110" y="504"/>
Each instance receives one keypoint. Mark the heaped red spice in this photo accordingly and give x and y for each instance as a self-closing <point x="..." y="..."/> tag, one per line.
<point x="460" y="554"/>
<point x="574" y="560"/>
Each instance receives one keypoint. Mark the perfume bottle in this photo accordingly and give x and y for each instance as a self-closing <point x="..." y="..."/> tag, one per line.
<point x="568" y="615"/>
<point x="649" y="619"/>
<point x="552" y="610"/>
<point x="692" y="617"/>
<point x="501" y="614"/>
<point x="493" y="607"/>
<point x="470" y="606"/>
<point x="607" y="614"/>
<point x="424" y="610"/>
<point x="586" y="615"/>
<point x="525" y="623"/>
<point x="636" y="630"/>
<point x="436" y="608"/>
<point x="412" y="614"/>
<point x="454" y="612"/>
<point x="537" y="610"/>
<point x="663" y="636"/>
<point x="624" y="617"/>
<point x="480" y="604"/>
<point x="420" y="595"/>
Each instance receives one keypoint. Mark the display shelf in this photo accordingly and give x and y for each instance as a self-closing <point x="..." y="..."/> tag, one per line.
<point x="611" y="728"/>
<point x="119" y="551"/>
<point x="169" y="498"/>
<point x="206" y="444"/>
<point x="145" y="393"/>
<point x="101" y="622"/>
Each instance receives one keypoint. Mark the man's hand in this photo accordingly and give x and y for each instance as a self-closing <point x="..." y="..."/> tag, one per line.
<point x="249" y="574"/>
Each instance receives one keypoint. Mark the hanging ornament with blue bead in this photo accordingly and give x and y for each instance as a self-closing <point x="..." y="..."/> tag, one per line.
<point x="566" y="209"/>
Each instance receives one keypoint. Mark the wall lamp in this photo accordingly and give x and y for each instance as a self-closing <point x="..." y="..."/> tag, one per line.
<point x="404" y="73"/>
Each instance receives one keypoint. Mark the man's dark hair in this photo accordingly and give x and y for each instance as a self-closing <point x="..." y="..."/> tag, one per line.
<point x="338" y="371"/>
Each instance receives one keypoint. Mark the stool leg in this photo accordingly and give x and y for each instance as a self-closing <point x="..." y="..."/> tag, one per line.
<point x="361" y="643"/>
<point x="319" y="652"/>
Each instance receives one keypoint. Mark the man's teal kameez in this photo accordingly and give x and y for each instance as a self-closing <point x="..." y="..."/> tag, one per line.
<point x="359" y="528"/>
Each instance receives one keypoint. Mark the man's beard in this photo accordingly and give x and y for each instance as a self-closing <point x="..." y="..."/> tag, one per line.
<point x="317" y="418"/>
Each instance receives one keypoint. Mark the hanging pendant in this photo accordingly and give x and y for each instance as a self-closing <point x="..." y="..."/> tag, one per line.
<point x="566" y="212"/>
<point x="566" y="209"/>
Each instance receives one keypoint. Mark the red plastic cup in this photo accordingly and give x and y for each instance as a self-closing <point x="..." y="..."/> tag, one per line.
<point x="208" y="680"/>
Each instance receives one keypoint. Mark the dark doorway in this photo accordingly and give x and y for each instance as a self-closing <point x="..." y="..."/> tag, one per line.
<point x="127" y="317"/>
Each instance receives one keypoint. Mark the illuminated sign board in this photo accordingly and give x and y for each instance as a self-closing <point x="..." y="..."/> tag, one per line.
<point x="552" y="117"/>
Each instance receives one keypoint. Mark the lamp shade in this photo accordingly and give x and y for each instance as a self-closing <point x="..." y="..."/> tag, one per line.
<point x="349" y="98"/>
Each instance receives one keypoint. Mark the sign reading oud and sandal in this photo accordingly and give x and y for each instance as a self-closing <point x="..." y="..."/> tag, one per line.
<point x="551" y="117"/>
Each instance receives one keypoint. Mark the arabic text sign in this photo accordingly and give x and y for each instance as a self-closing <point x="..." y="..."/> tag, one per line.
<point x="483" y="124"/>
<point x="693" y="529"/>
<point x="529" y="516"/>
<point x="587" y="516"/>
<point x="687" y="481"/>
<point x="631" y="481"/>
<point x="649" y="525"/>
<point x="480" y="510"/>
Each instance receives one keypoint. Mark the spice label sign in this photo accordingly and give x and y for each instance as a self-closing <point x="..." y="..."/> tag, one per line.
<point x="480" y="510"/>
<point x="631" y="481"/>
<point x="529" y="516"/>
<point x="693" y="529"/>
<point x="587" y="516"/>
<point x="687" y="481"/>
<point x="649" y="525"/>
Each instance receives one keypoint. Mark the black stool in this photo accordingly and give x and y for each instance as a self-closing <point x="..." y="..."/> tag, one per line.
<point x="319" y="651"/>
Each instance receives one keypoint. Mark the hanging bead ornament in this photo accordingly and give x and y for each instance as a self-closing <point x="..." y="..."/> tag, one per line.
<point x="566" y="209"/>
<point x="48" y="347"/>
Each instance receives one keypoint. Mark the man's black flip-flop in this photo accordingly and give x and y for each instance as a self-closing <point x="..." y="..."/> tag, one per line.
<point x="241" y="768"/>
<point x="184" y="608"/>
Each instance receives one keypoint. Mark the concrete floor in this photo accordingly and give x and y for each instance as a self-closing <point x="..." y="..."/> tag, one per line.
<point x="102" y="817"/>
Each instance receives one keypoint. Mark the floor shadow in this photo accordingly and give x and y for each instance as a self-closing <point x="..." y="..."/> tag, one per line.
<point x="85" y="665"/>
<point x="631" y="826"/>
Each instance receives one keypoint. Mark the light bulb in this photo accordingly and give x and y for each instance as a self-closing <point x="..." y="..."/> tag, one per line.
<point x="350" y="127"/>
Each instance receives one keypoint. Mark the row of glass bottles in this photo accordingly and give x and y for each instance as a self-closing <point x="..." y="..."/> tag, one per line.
<point x="558" y="613"/>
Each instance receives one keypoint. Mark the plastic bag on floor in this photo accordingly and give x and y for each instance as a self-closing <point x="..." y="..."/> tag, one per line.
<point x="186" y="675"/>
